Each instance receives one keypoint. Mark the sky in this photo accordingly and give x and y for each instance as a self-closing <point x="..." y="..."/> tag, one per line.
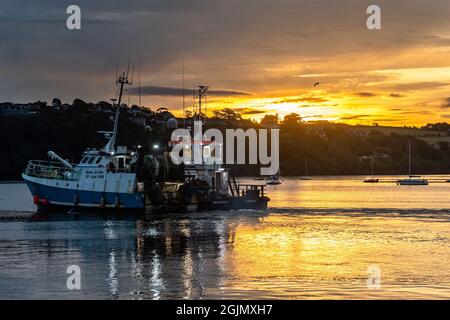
<point x="257" y="56"/>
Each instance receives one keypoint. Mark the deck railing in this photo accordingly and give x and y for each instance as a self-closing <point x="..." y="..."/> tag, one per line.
<point x="50" y="170"/>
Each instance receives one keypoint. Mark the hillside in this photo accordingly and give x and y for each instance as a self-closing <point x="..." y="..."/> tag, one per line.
<point x="330" y="149"/>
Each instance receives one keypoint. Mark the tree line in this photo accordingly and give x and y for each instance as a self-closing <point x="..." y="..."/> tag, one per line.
<point x="328" y="148"/>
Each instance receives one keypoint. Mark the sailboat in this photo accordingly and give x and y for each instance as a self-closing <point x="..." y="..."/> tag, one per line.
<point x="412" y="180"/>
<point x="372" y="179"/>
<point x="305" y="177"/>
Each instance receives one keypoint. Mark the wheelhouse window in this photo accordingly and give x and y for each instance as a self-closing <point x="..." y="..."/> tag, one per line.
<point x="121" y="162"/>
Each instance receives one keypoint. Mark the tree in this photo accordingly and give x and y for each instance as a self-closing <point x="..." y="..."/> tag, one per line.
<point x="103" y="106"/>
<point x="292" y="119"/>
<point x="56" y="102"/>
<point x="440" y="126"/>
<point x="227" y="114"/>
<point x="79" y="104"/>
<point x="164" y="113"/>
<point x="270" y="119"/>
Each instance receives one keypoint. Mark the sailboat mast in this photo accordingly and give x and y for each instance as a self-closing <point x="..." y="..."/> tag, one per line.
<point x="306" y="168"/>
<point x="371" y="164"/>
<point x="409" y="155"/>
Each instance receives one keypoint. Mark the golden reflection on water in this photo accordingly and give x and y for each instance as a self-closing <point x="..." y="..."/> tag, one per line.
<point x="300" y="248"/>
<point x="328" y="257"/>
<point x="353" y="193"/>
<point x="315" y="242"/>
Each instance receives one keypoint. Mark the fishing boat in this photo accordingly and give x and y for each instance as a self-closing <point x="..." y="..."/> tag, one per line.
<point x="412" y="179"/>
<point x="103" y="179"/>
<point x="115" y="179"/>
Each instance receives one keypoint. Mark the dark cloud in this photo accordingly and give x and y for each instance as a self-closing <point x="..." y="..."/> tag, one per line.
<point x="354" y="117"/>
<point x="419" y="86"/>
<point x="316" y="106"/>
<point x="178" y="92"/>
<point x="388" y="119"/>
<point x="417" y="112"/>
<point x="310" y="99"/>
<point x="410" y="112"/>
<point x="396" y="95"/>
<point x="250" y="111"/>
<point x="315" y="116"/>
<point x="446" y="103"/>
<point x="313" y="99"/>
<point x="225" y="44"/>
<point x="366" y="94"/>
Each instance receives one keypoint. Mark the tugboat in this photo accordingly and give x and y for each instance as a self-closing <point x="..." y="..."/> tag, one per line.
<point x="114" y="179"/>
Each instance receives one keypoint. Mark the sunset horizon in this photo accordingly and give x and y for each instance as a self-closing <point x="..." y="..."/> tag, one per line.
<point x="317" y="59"/>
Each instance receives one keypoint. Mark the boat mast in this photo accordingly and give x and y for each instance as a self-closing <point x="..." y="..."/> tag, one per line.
<point x="184" y="103"/>
<point x="306" y="167"/>
<point x="122" y="80"/>
<point x="201" y="93"/>
<point x="409" y="152"/>
<point x="139" y="80"/>
<point x="371" y="164"/>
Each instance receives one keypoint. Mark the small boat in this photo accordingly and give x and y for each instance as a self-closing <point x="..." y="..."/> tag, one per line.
<point x="273" y="180"/>
<point x="371" y="180"/>
<point x="412" y="179"/>
<point x="306" y="177"/>
<point x="412" y="182"/>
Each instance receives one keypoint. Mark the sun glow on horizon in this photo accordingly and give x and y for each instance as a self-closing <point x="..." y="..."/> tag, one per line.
<point x="386" y="96"/>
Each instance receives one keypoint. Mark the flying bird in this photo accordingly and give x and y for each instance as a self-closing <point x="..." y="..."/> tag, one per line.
<point x="316" y="84"/>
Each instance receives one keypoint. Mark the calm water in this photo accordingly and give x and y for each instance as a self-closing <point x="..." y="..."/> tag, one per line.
<point x="316" y="241"/>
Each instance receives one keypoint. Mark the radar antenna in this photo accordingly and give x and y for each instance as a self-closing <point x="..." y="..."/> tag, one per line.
<point x="122" y="80"/>
<point x="201" y="94"/>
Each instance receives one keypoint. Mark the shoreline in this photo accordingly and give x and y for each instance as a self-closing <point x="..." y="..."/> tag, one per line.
<point x="15" y="216"/>
<point x="11" y="181"/>
<point x="320" y="176"/>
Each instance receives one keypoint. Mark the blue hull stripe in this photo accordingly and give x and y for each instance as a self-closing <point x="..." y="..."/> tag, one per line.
<point x="61" y="196"/>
